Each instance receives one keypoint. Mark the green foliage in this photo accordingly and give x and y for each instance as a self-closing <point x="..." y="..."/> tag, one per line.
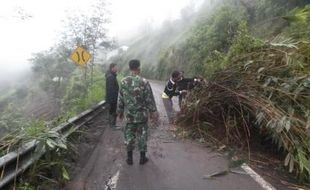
<point x="54" y="145"/>
<point x="36" y="130"/>
<point x="299" y="15"/>
<point x="50" y="171"/>
<point x="61" y="81"/>
<point x="299" y="19"/>
<point x="262" y="91"/>
<point x="149" y="43"/>
<point x="21" y="92"/>
<point x="266" y="9"/>
<point x="26" y="131"/>
<point x="172" y="59"/>
<point x="88" y="30"/>
<point x="243" y="42"/>
<point x="52" y="70"/>
<point x="12" y="119"/>
<point x="25" y="186"/>
<point x="206" y="47"/>
<point x="80" y="95"/>
<point x="214" y="34"/>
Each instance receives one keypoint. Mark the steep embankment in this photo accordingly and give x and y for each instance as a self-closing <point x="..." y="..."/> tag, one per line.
<point x="236" y="34"/>
<point x="200" y="42"/>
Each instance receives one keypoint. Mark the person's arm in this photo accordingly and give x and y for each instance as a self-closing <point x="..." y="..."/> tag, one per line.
<point x="120" y="104"/>
<point x="177" y="93"/>
<point x="151" y="104"/>
<point x="172" y="89"/>
<point x="149" y="97"/>
<point x="109" y="88"/>
<point x="188" y="83"/>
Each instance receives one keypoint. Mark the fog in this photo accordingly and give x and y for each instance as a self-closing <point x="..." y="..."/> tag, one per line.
<point x="31" y="26"/>
<point x="13" y="74"/>
<point x="129" y="16"/>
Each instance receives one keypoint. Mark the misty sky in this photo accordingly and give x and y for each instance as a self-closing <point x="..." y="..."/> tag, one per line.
<point x="29" y="26"/>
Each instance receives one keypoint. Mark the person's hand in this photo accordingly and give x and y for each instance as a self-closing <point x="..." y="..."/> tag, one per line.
<point x="198" y="80"/>
<point x="154" y="116"/>
<point x="183" y="92"/>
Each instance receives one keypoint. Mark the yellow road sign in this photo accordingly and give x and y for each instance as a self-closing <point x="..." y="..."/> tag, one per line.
<point x="80" y="56"/>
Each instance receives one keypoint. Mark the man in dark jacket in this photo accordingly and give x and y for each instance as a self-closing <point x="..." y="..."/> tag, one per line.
<point x="170" y="91"/>
<point x="112" y="92"/>
<point x="186" y="84"/>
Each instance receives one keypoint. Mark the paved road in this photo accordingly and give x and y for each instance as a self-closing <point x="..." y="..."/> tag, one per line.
<point x="174" y="164"/>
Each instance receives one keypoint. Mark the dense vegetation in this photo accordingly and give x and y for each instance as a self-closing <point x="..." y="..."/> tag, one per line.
<point x="201" y="42"/>
<point x="56" y="86"/>
<point x="264" y="93"/>
<point x="254" y="81"/>
<point x="55" y="90"/>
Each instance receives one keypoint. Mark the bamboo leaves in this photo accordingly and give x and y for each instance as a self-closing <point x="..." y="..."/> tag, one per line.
<point x="299" y="15"/>
<point x="268" y="86"/>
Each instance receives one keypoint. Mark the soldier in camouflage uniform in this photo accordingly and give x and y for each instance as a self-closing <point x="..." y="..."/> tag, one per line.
<point x="136" y="101"/>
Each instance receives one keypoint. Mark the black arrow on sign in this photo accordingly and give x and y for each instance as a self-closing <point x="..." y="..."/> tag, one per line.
<point x="83" y="56"/>
<point x="78" y="56"/>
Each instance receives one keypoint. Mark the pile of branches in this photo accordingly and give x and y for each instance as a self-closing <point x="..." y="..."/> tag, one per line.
<point x="265" y="91"/>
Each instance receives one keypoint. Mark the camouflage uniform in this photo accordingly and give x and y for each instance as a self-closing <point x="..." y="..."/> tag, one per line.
<point x="135" y="101"/>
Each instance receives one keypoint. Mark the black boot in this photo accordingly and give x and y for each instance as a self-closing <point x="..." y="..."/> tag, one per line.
<point x="129" y="158"/>
<point x="143" y="158"/>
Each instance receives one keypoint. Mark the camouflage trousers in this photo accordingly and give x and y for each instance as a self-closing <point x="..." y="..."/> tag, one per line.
<point x="135" y="131"/>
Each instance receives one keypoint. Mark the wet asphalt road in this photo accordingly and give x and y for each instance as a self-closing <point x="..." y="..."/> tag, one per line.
<point x="179" y="165"/>
<point x="174" y="164"/>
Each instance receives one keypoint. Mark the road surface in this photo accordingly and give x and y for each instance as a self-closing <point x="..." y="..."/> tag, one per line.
<point x="174" y="164"/>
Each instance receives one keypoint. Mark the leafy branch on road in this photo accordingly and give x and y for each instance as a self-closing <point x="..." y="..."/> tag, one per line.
<point x="263" y="92"/>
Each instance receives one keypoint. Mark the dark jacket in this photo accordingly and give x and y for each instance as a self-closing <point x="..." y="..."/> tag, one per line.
<point x="185" y="84"/>
<point x="111" y="87"/>
<point x="170" y="89"/>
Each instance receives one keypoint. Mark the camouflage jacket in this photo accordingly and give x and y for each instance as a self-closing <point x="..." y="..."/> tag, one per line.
<point x="136" y="99"/>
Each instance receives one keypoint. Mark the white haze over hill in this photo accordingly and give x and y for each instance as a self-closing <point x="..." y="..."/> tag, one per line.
<point x="129" y="16"/>
<point x="30" y="26"/>
<point x="13" y="74"/>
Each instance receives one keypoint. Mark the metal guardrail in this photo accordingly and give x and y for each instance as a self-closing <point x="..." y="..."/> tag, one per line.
<point x="16" y="162"/>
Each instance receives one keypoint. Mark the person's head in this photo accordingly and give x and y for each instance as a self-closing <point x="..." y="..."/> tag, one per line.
<point x="176" y="76"/>
<point x="134" y="66"/>
<point x="182" y="74"/>
<point x="113" y="67"/>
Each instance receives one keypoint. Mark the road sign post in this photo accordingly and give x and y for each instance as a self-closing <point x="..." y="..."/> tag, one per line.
<point x="80" y="56"/>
